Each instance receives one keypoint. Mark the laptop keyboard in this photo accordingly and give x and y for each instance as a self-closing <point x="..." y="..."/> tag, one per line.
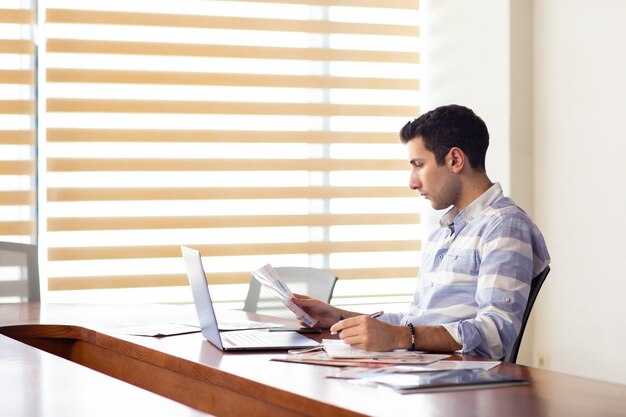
<point x="243" y="339"/>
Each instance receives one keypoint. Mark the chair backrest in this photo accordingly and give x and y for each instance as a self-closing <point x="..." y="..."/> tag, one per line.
<point x="19" y="272"/>
<point x="535" y="286"/>
<point x="314" y="282"/>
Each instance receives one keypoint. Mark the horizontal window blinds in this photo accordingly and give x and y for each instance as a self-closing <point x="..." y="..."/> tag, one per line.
<point x="17" y="118"/>
<point x="254" y="131"/>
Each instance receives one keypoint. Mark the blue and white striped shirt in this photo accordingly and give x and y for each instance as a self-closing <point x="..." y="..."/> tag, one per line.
<point x="476" y="273"/>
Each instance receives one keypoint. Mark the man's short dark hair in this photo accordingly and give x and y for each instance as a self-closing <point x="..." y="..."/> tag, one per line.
<point x="450" y="126"/>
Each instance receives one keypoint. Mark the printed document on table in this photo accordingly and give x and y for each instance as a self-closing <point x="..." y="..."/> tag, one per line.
<point x="338" y="349"/>
<point x="269" y="278"/>
<point x="441" y="365"/>
<point x="444" y="366"/>
<point x="408" y="383"/>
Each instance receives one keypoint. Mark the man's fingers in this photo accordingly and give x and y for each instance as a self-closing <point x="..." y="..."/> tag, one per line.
<point x="335" y="328"/>
<point x="343" y="324"/>
<point x="302" y="297"/>
<point x="304" y="301"/>
<point x="354" y="340"/>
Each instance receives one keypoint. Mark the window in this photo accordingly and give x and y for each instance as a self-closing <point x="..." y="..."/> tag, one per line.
<point x="17" y="119"/>
<point x="254" y="131"/>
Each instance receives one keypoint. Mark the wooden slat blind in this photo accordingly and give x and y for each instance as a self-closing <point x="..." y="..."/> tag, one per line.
<point x="171" y="280"/>
<point x="17" y="120"/>
<point x="220" y="136"/>
<point x="221" y="22"/>
<point x="253" y="138"/>
<point x="231" y="193"/>
<point x="189" y="222"/>
<point x="240" y="80"/>
<point x="221" y="51"/>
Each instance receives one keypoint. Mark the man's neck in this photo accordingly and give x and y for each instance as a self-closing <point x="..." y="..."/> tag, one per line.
<point x="473" y="187"/>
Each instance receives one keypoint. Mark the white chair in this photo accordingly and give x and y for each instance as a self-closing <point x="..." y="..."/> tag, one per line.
<point x="314" y="282"/>
<point x="19" y="272"/>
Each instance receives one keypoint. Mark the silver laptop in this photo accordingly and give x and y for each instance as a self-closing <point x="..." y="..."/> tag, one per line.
<point x="233" y="340"/>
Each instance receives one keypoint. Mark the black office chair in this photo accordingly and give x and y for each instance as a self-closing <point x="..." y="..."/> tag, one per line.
<point x="20" y="272"/>
<point x="535" y="286"/>
<point x="314" y="282"/>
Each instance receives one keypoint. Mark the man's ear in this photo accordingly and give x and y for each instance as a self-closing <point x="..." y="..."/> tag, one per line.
<point x="456" y="159"/>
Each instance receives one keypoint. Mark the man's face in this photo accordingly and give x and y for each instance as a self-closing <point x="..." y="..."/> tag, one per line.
<point x="435" y="182"/>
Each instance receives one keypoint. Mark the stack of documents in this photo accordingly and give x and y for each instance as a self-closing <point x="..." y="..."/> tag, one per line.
<point x="403" y="368"/>
<point x="403" y="371"/>
<point x="408" y="383"/>
<point x="269" y="278"/>
<point x="334" y="352"/>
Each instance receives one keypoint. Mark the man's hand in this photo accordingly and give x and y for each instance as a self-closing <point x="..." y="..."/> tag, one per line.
<point x="371" y="334"/>
<point x="325" y="314"/>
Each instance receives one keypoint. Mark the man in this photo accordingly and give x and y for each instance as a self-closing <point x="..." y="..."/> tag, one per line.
<point x="476" y="267"/>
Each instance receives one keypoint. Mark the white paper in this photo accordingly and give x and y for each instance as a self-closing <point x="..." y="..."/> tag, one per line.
<point x="269" y="278"/>
<point x="443" y="366"/>
<point x="338" y="349"/>
<point x="443" y="380"/>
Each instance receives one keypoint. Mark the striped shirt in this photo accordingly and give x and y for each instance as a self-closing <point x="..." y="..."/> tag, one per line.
<point x="476" y="273"/>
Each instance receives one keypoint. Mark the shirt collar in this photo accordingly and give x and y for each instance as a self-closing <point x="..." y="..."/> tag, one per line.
<point x="455" y="218"/>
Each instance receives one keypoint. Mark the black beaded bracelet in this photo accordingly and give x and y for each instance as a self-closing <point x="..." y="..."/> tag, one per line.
<point x="412" y="336"/>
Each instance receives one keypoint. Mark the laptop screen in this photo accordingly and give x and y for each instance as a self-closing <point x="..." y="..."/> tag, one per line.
<point x="201" y="296"/>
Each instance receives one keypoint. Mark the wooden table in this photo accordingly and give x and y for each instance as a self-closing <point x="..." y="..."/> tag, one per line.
<point x="192" y="372"/>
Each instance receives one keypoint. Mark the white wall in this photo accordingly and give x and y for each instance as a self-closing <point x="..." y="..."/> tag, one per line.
<point x="468" y="64"/>
<point x="549" y="79"/>
<point x="468" y="61"/>
<point x="580" y="195"/>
